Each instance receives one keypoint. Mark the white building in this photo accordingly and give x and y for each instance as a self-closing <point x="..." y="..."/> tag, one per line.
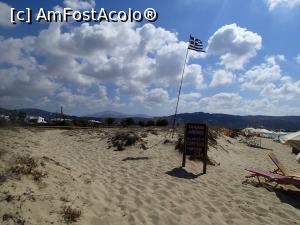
<point x="4" y="117"/>
<point x="95" y="121"/>
<point x="35" y="119"/>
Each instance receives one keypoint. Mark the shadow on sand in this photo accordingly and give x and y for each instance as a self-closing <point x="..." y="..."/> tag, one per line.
<point x="182" y="173"/>
<point x="135" y="158"/>
<point x="263" y="148"/>
<point x="289" y="197"/>
<point x="286" y="196"/>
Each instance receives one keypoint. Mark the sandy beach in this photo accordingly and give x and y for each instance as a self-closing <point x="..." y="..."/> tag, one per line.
<point x="76" y="170"/>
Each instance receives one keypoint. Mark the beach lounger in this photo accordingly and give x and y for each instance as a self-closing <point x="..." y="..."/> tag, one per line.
<point x="284" y="171"/>
<point x="272" y="177"/>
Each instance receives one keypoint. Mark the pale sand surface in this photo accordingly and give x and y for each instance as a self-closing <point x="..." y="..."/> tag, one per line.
<point x="145" y="189"/>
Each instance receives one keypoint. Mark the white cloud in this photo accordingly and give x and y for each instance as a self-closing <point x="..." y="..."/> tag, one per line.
<point x="153" y="101"/>
<point x="259" y="76"/>
<point x="287" y="90"/>
<point x="5" y="15"/>
<point x="18" y="52"/>
<point x="235" y="45"/>
<point x="189" y="102"/>
<point x="193" y="75"/>
<point x="221" y="77"/>
<point x="87" y="56"/>
<point x="234" y="103"/>
<point x="72" y="101"/>
<point x="273" y="4"/>
<point x="95" y="52"/>
<point x="133" y="68"/>
<point x="280" y="57"/>
<point x="17" y="82"/>
<point x="190" y="97"/>
<point x="69" y="99"/>
<point x="275" y="87"/>
<point x="156" y="96"/>
<point x="80" y="4"/>
<point x="298" y="59"/>
<point x="153" y="97"/>
<point x="102" y="91"/>
<point x="158" y="101"/>
<point x="23" y="76"/>
<point x="221" y="103"/>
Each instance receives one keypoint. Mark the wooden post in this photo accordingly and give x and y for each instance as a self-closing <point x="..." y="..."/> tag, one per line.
<point x="205" y="151"/>
<point x="184" y="150"/>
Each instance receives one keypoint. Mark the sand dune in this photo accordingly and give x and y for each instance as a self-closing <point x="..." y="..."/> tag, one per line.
<point x="137" y="186"/>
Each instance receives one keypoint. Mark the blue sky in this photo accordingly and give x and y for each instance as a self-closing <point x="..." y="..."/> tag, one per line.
<point x="251" y="66"/>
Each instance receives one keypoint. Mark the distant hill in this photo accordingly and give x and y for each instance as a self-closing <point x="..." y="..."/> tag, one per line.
<point x="113" y="114"/>
<point x="39" y="112"/>
<point x="4" y="111"/>
<point x="291" y="123"/>
<point x="234" y="121"/>
<point x="36" y="112"/>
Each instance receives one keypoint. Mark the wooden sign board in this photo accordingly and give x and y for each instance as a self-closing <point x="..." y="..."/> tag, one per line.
<point x="195" y="143"/>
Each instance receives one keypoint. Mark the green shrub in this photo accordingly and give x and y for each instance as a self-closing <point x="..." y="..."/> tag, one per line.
<point x="150" y="123"/>
<point x="4" y="123"/>
<point x="162" y="122"/>
<point x="141" y="123"/>
<point x="82" y="123"/>
<point x="66" y="123"/>
<point x="22" y="115"/>
<point x="127" y="122"/>
<point x="109" y="121"/>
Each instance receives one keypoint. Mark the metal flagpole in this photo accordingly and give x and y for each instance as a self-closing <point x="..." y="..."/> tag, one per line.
<point x="179" y="91"/>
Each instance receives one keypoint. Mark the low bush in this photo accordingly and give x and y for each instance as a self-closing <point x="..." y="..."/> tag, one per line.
<point x="162" y="122"/>
<point x="71" y="214"/>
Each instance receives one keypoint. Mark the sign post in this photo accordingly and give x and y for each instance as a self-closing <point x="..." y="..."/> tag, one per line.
<point x="195" y="143"/>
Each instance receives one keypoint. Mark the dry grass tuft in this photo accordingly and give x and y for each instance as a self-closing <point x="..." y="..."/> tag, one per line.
<point x="144" y="135"/>
<point x="38" y="175"/>
<point x="17" y="220"/>
<point x="26" y="165"/>
<point x="9" y="198"/>
<point x="2" y="152"/>
<point x="180" y="144"/>
<point x="3" y="178"/>
<point x="64" y="199"/>
<point x="122" y="139"/>
<point x="153" y="131"/>
<point x="213" y="135"/>
<point x="70" y="214"/>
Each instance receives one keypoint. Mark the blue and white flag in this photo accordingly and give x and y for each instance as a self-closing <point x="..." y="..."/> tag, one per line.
<point x="196" y="44"/>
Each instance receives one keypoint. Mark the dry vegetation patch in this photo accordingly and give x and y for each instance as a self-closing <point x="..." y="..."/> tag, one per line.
<point x="3" y="178"/>
<point x="15" y="218"/>
<point x="20" y="166"/>
<point x="24" y="165"/>
<point x="123" y="139"/>
<point x="71" y="214"/>
<point x="153" y="131"/>
<point x="27" y="165"/>
<point x="2" y="153"/>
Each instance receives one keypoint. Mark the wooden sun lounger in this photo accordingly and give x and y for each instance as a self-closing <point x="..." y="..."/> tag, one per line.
<point x="284" y="171"/>
<point x="273" y="177"/>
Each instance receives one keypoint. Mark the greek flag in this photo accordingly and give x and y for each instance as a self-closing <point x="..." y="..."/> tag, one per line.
<point x="196" y="44"/>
